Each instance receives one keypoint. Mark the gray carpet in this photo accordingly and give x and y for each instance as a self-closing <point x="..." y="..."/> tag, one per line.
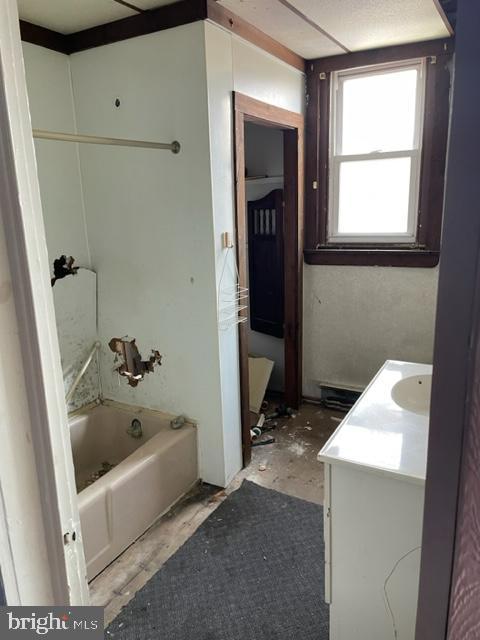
<point x="252" y="571"/>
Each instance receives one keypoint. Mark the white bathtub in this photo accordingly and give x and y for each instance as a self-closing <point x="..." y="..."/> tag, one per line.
<point x="150" y="474"/>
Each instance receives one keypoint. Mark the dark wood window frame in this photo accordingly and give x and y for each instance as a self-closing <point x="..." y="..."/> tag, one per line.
<point x="426" y="251"/>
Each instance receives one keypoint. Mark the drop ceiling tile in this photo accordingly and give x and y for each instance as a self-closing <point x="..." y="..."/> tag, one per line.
<point x="368" y="24"/>
<point x="73" y="15"/>
<point x="279" y="22"/>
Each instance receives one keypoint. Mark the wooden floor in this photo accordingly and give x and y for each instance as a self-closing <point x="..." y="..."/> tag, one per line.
<point x="289" y="466"/>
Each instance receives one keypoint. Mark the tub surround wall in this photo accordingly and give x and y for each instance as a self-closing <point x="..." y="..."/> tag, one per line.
<point x="51" y="107"/>
<point x="149" y="217"/>
<point x="75" y="299"/>
<point x="166" y="297"/>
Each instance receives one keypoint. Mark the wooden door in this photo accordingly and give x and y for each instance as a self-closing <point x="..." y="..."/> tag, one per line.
<point x="266" y="264"/>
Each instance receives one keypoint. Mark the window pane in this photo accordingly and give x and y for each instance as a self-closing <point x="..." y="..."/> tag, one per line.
<point x="378" y="112"/>
<point x="374" y="196"/>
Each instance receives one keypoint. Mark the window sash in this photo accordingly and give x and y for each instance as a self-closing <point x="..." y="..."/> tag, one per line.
<point x="409" y="237"/>
<point x="336" y="159"/>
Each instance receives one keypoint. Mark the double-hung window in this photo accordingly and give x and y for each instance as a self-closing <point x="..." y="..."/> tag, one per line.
<point x="375" y="151"/>
<point x="376" y="137"/>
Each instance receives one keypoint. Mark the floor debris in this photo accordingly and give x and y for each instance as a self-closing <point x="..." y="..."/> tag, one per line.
<point x="264" y="441"/>
<point x="297" y="448"/>
<point x="96" y="475"/>
<point x="218" y="497"/>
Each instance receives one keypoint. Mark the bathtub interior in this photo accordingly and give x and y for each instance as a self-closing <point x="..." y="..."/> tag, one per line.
<point x="148" y="475"/>
<point x="99" y="437"/>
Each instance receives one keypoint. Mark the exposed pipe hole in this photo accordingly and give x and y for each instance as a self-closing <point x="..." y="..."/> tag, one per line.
<point x="128" y="361"/>
<point x="62" y="267"/>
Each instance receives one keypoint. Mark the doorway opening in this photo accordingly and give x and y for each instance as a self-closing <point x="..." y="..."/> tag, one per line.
<point x="269" y="220"/>
<point x="265" y="258"/>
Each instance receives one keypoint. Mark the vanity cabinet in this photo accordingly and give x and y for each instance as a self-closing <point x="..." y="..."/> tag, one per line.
<point x="373" y="511"/>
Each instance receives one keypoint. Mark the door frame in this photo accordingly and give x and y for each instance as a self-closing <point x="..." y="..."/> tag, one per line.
<point x="248" y="109"/>
<point x="41" y="548"/>
<point x="447" y="605"/>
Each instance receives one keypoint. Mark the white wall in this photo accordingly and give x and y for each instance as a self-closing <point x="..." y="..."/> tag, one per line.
<point x="51" y="107"/>
<point x="155" y="222"/>
<point x="149" y="217"/>
<point x="261" y="76"/>
<point x="234" y="65"/>
<point x="218" y="57"/>
<point x="355" y="318"/>
<point x="365" y="314"/>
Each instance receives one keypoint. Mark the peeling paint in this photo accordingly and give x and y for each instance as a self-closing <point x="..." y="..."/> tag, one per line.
<point x="128" y="361"/>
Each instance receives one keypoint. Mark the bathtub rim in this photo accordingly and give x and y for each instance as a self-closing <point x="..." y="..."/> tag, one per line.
<point x="132" y="408"/>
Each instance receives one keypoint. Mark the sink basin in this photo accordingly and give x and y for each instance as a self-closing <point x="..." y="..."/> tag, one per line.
<point x="413" y="394"/>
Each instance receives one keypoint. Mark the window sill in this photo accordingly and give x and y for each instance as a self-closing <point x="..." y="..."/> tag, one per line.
<point x="381" y="257"/>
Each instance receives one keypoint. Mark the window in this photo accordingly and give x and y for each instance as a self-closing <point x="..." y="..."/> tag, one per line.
<point x="374" y="161"/>
<point x="376" y="132"/>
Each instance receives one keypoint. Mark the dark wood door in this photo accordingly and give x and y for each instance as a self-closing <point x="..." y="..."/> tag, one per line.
<point x="266" y="267"/>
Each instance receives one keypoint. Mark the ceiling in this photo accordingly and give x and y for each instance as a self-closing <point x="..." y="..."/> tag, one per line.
<point x="337" y="26"/>
<point x="311" y="28"/>
<point x="69" y="16"/>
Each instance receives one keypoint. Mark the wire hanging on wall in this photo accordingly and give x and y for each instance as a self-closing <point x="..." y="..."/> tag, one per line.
<point x="232" y="299"/>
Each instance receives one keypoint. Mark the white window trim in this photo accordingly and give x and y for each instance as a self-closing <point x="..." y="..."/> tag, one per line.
<point x="335" y="160"/>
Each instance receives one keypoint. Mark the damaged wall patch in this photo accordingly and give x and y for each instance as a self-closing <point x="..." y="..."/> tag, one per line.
<point x="128" y="361"/>
<point x="62" y="267"/>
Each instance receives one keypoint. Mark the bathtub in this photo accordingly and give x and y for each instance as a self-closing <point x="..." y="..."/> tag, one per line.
<point x="146" y="477"/>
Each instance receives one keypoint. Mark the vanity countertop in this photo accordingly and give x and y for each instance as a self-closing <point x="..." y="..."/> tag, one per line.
<point x="378" y="434"/>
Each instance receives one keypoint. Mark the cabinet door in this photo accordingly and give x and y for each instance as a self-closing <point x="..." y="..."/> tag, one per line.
<point x="327" y="533"/>
<point x="376" y="532"/>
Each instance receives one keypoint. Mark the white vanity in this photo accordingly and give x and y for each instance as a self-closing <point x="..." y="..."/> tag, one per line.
<point x="375" y="465"/>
